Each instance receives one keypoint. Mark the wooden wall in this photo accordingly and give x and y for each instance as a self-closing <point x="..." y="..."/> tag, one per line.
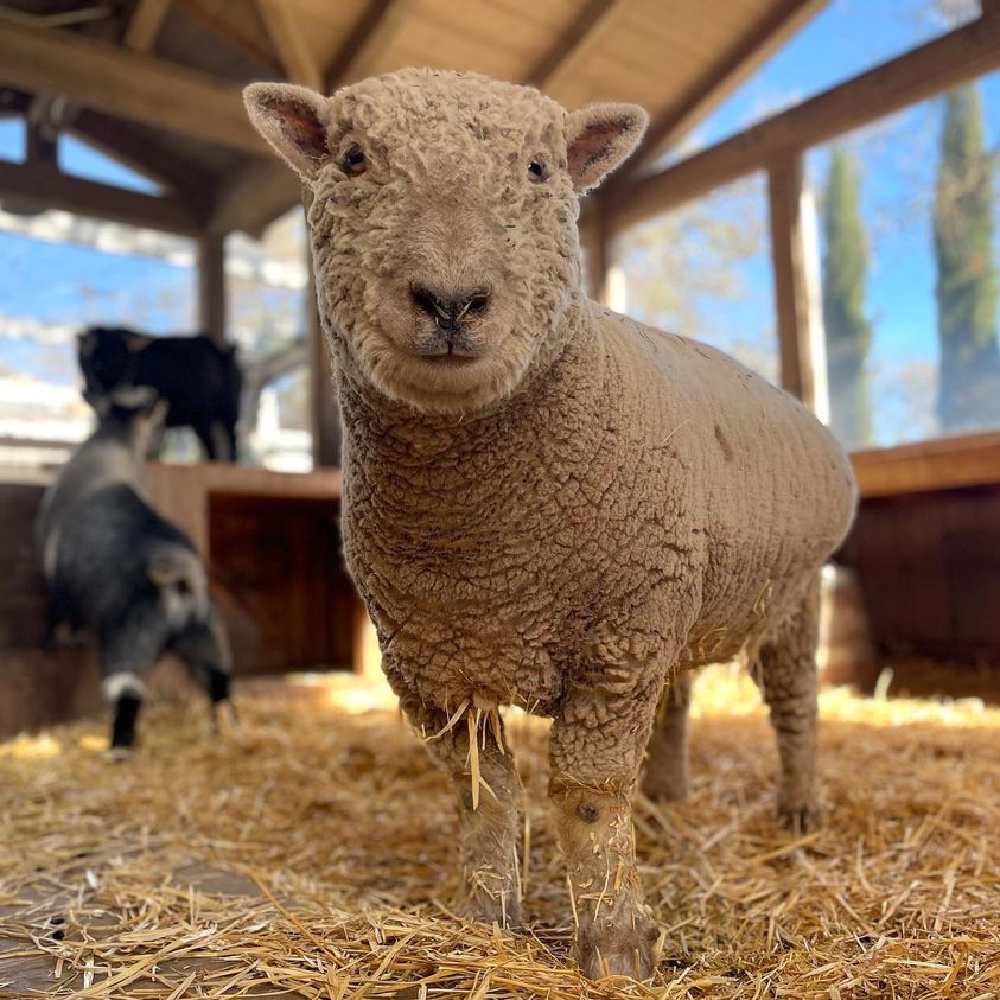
<point x="272" y="546"/>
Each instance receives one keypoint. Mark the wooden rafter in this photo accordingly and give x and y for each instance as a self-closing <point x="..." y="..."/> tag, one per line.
<point x="378" y="25"/>
<point x="253" y="196"/>
<point x="705" y="94"/>
<point x="43" y="186"/>
<point x="285" y="32"/>
<point x="144" y="24"/>
<point x="228" y="29"/>
<point x="561" y="60"/>
<point x="126" y="83"/>
<point x="958" y="57"/>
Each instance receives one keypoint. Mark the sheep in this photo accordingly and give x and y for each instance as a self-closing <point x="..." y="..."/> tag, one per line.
<point x="113" y="565"/>
<point x="546" y="504"/>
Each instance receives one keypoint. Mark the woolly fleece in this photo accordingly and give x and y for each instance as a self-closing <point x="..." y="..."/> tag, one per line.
<point x="546" y="504"/>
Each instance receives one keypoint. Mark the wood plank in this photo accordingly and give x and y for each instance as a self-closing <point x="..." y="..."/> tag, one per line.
<point x="232" y="31"/>
<point x="947" y="463"/>
<point x="126" y="84"/>
<point x="372" y="34"/>
<point x="212" y="286"/>
<point x="253" y="196"/>
<point x="563" y="58"/>
<point x="925" y="71"/>
<point x="144" y="25"/>
<point x="285" y="30"/>
<point x="43" y="187"/>
<point x="698" y="100"/>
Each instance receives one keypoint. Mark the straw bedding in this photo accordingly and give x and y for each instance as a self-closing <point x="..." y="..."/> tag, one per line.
<point x="311" y="853"/>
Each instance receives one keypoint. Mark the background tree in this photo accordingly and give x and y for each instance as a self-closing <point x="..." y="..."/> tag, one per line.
<point x="966" y="290"/>
<point x="848" y="332"/>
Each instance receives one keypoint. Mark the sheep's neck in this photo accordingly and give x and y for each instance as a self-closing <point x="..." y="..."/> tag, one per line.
<point x="445" y="452"/>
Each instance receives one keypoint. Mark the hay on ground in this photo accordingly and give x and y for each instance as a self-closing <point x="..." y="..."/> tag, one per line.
<point x="311" y="853"/>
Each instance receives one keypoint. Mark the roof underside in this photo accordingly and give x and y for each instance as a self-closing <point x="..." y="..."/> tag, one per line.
<point x="101" y="69"/>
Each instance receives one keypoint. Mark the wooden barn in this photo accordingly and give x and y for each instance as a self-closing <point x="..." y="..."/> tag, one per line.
<point x="309" y="850"/>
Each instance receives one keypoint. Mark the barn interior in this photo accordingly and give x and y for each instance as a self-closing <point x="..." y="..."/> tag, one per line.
<point x="308" y="850"/>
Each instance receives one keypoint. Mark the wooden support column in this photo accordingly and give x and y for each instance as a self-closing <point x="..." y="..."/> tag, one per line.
<point x="324" y="407"/>
<point x="596" y="238"/>
<point x="212" y="286"/>
<point x="791" y="289"/>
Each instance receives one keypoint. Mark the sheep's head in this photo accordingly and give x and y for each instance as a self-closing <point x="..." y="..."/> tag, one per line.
<point x="443" y="222"/>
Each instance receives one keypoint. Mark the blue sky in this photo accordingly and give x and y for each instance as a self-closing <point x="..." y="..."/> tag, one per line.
<point x="896" y="159"/>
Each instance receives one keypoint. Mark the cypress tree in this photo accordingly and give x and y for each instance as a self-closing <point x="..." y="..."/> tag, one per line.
<point x="848" y="332"/>
<point x="969" y="377"/>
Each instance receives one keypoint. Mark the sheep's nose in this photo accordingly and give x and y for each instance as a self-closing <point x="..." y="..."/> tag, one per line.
<point x="448" y="310"/>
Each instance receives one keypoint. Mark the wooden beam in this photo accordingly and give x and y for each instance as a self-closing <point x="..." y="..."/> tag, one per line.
<point x="596" y="240"/>
<point x="564" y="56"/>
<point x="285" y="31"/>
<point x="144" y="25"/>
<point x="744" y="58"/>
<point x="253" y="196"/>
<point x="791" y="290"/>
<point x="212" y="287"/>
<point x="956" y="58"/>
<point x="374" y="31"/>
<point x="126" y="84"/>
<point x="42" y="187"/>
<point x="229" y="29"/>
<point x="949" y="463"/>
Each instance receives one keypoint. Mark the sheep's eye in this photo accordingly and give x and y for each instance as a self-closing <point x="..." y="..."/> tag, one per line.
<point x="355" y="162"/>
<point x="538" y="170"/>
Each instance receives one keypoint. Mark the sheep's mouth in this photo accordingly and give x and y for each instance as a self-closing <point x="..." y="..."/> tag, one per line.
<point x="449" y="360"/>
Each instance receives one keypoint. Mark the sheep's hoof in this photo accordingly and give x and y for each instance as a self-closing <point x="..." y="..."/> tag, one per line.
<point x="631" y="952"/>
<point x="798" y="819"/>
<point x="483" y="908"/>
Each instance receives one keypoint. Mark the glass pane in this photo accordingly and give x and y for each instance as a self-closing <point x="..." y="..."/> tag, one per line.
<point x="12" y="139"/>
<point x="909" y="272"/>
<point x="61" y="273"/>
<point x="267" y="318"/>
<point x="704" y="271"/>
<point x="82" y="160"/>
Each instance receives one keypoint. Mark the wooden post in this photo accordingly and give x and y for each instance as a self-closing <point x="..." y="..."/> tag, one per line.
<point x="212" y="286"/>
<point x="596" y="240"/>
<point x="791" y="290"/>
<point x="324" y="409"/>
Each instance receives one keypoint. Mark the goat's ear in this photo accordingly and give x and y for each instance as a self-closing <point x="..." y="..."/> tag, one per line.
<point x="600" y="138"/>
<point x="293" y="120"/>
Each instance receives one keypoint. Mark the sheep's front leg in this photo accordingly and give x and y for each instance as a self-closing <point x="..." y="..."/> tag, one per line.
<point x="487" y="818"/>
<point x="666" y="774"/>
<point x="596" y="749"/>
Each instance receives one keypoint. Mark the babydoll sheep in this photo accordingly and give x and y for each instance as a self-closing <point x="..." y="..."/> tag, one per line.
<point x="114" y="566"/>
<point x="546" y="504"/>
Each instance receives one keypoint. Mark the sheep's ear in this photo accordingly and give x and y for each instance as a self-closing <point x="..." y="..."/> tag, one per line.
<point x="293" y="120"/>
<point x="599" y="138"/>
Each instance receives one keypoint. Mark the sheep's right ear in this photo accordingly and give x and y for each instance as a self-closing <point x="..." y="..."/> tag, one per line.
<point x="293" y="120"/>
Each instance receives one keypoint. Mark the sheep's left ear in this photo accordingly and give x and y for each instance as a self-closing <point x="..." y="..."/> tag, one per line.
<point x="600" y="138"/>
<point x="293" y="120"/>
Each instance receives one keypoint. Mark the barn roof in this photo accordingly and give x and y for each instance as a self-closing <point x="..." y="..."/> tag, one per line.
<point x="156" y="83"/>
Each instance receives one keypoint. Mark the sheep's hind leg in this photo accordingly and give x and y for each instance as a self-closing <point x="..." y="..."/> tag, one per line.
<point x="487" y="820"/>
<point x="596" y="749"/>
<point x="666" y="773"/>
<point x="785" y="671"/>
